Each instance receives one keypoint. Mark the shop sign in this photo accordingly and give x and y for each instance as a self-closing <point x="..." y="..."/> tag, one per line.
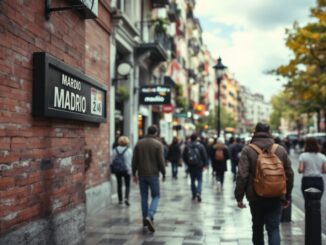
<point x="167" y="108"/>
<point x="60" y="91"/>
<point x="180" y="115"/>
<point x="155" y="95"/>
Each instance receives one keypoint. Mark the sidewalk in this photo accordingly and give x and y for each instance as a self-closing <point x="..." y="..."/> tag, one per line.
<point x="179" y="220"/>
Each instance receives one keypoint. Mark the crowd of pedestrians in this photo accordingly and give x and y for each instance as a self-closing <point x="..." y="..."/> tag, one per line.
<point x="152" y="154"/>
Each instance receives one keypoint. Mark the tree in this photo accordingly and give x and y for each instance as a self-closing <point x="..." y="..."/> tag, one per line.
<point x="306" y="71"/>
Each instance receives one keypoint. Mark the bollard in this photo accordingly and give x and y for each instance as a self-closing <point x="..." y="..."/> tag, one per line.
<point x="286" y="213"/>
<point x="313" y="216"/>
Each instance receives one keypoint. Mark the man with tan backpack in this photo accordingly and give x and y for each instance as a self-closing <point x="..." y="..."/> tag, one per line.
<point x="265" y="176"/>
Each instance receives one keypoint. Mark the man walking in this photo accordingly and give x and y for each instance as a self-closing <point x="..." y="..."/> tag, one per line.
<point x="264" y="210"/>
<point x="195" y="157"/>
<point x="147" y="162"/>
<point x="235" y="150"/>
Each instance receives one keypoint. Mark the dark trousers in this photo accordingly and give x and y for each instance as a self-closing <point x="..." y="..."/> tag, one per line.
<point x="266" y="212"/>
<point x="127" y="185"/>
<point x="316" y="182"/>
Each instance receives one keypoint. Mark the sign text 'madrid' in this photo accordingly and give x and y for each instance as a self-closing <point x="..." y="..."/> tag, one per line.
<point x="65" y="99"/>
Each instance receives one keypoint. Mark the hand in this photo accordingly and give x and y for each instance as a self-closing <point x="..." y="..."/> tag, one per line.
<point x="163" y="178"/>
<point x="241" y="205"/>
<point x="135" y="178"/>
<point x="285" y="203"/>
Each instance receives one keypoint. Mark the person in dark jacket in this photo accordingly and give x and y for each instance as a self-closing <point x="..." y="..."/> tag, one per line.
<point x="235" y="149"/>
<point x="147" y="163"/>
<point x="174" y="156"/>
<point x="196" y="170"/>
<point x="220" y="163"/>
<point x="264" y="211"/>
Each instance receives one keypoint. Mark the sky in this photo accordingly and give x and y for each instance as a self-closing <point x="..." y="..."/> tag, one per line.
<point x="249" y="36"/>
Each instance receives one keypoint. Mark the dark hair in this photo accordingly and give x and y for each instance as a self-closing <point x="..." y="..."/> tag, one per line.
<point x="262" y="127"/>
<point x="193" y="137"/>
<point x="311" y="145"/>
<point x="152" y="130"/>
<point x="175" y="140"/>
<point x="277" y="140"/>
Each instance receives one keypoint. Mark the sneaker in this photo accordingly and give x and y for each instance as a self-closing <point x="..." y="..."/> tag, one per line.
<point x="127" y="203"/>
<point x="219" y="186"/>
<point x="149" y="224"/>
<point x="198" y="198"/>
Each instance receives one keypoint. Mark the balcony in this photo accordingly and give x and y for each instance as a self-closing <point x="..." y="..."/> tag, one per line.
<point x="156" y="43"/>
<point x="160" y="3"/>
<point x="173" y="12"/>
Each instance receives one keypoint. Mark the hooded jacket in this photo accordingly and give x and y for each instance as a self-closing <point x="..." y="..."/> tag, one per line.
<point x="247" y="167"/>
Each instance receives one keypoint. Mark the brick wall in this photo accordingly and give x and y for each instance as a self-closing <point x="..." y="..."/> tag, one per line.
<point x="42" y="169"/>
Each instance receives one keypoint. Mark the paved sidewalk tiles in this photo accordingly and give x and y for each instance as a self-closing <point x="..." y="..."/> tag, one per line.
<point x="179" y="220"/>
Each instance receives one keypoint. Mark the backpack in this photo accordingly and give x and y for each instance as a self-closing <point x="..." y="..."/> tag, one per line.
<point x="219" y="154"/>
<point x="193" y="156"/>
<point x="270" y="179"/>
<point x="118" y="165"/>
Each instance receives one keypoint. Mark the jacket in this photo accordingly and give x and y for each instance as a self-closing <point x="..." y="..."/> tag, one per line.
<point x="148" y="158"/>
<point x="203" y="155"/>
<point x="247" y="168"/>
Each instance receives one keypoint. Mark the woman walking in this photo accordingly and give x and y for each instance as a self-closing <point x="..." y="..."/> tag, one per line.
<point x="123" y="150"/>
<point x="174" y="156"/>
<point x="312" y="164"/>
<point x="220" y="155"/>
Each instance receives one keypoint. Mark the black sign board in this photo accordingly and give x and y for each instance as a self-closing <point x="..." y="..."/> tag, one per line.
<point x="61" y="91"/>
<point x="155" y="95"/>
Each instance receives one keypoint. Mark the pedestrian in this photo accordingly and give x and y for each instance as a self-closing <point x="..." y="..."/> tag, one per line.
<point x="221" y="155"/>
<point x="235" y="149"/>
<point x="312" y="164"/>
<point x="174" y="156"/>
<point x="126" y="154"/>
<point x="147" y="163"/>
<point x="264" y="210"/>
<point x="196" y="159"/>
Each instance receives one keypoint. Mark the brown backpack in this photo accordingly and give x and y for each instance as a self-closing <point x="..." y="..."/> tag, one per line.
<point x="270" y="179"/>
<point x="219" y="154"/>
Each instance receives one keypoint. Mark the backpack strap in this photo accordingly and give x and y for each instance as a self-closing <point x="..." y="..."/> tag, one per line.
<point x="256" y="148"/>
<point x="274" y="147"/>
<point x="123" y="152"/>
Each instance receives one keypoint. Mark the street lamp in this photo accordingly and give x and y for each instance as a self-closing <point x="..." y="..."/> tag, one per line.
<point x="219" y="73"/>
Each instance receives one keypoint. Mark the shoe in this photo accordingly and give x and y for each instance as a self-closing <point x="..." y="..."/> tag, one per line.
<point x="120" y="202"/>
<point x="219" y="186"/>
<point x="127" y="203"/>
<point x="198" y="198"/>
<point x="149" y="224"/>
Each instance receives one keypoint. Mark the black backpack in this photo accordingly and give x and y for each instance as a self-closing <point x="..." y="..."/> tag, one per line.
<point x="193" y="156"/>
<point x="118" y="165"/>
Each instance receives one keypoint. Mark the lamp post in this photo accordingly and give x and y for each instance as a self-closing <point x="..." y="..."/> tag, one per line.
<point x="219" y="73"/>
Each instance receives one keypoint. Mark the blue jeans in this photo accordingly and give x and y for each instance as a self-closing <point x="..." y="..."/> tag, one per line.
<point x="174" y="166"/>
<point x="268" y="212"/>
<point x="196" y="175"/>
<point x="151" y="183"/>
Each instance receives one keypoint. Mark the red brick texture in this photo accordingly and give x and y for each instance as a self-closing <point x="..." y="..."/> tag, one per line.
<point x="42" y="168"/>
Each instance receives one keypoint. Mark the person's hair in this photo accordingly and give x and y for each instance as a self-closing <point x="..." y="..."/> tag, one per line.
<point x="152" y="130"/>
<point x="262" y="127"/>
<point x="175" y="140"/>
<point x="193" y="137"/>
<point x="311" y="145"/>
<point x="238" y="140"/>
<point x="123" y="141"/>
<point x="277" y="140"/>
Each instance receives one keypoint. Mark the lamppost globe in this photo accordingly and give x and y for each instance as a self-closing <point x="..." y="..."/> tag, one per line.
<point x="219" y="73"/>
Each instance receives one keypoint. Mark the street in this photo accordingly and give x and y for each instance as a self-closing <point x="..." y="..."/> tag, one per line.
<point x="179" y="220"/>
